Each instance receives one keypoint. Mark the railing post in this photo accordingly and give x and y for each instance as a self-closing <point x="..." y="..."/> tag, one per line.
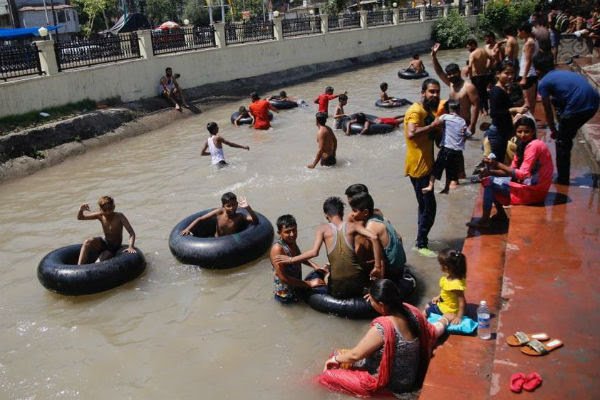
<point x="324" y="23"/>
<point x="363" y="18"/>
<point x="145" y="38"/>
<point x="446" y="9"/>
<point x="48" y="60"/>
<point x="467" y="10"/>
<point x="278" y="27"/>
<point x="220" y="34"/>
<point x="396" y="16"/>
<point x="422" y="15"/>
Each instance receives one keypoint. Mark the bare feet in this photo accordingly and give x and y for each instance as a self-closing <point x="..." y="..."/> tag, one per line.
<point x="453" y="184"/>
<point x="177" y="107"/>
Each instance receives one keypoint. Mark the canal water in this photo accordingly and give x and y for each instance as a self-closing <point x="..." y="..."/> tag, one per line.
<point x="183" y="332"/>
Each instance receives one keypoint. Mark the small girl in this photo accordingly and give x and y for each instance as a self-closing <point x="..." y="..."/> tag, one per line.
<point x="242" y="114"/>
<point x="451" y="301"/>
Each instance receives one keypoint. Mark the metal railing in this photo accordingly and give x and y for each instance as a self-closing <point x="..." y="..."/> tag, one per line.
<point x="19" y="60"/>
<point x="380" y="17"/>
<point x="434" y="12"/>
<point x="343" y="21"/>
<point x="187" y="38"/>
<point x="410" y="14"/>
<point x="249" y="31"/>
<point x="301" y="26"/>
<point x="96" y="50"/>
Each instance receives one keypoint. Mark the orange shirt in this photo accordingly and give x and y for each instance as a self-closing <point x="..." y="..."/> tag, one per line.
<point x="260" y="110"/>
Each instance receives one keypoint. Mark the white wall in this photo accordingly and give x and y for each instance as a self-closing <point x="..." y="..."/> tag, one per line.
<point x="132" y="80"/>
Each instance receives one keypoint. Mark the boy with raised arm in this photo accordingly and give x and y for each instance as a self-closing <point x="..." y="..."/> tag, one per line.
<point x="112" y="224"/>
<point x="214" y="145"/>
<point x="229" y="221"/>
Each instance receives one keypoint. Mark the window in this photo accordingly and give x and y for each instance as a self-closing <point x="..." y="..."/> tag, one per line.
<point x="61" y="17"/>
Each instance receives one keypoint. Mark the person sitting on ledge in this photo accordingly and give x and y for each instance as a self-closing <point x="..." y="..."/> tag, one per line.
<point x="229" y="221"/>
<point x="170" y="90"/>
<point x="347" y="278"/>
<point x="526" y="181"/>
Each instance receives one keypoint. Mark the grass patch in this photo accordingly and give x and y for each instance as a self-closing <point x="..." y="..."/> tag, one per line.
<point x="13" y="123"/>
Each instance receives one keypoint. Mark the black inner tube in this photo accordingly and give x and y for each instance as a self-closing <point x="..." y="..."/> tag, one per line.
<point x="58" y="271"/>
<point x="207" y="251"/>
<point x="409" y="74"/>
<point x="283" y="104"/>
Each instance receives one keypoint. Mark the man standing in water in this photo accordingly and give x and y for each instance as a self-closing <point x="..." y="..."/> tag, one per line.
<point x="419" y="128"/>
<point x="260" y="111"/>
<point x="326" y="141"/>
<point x="479" y="72"/>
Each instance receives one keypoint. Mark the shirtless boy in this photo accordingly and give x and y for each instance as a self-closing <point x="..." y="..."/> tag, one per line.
<point x="479" y="72"/>
<point x="112" y="224"/>
<point x="326" y="141"/>
<point x="347" y="277"/>
<point x="229" y="221"/>
<point x="416" y="64"/>
<point x="511" y="46"/>
<point x="170" y="90"/>
<point x="339" y="113"/>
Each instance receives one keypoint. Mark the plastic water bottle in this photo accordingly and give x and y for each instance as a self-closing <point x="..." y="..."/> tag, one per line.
<point x="483" y="321"/>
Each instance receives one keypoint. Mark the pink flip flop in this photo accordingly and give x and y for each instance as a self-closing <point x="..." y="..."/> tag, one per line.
<point x="517" y="381"/>
<point x="532" y="381"/>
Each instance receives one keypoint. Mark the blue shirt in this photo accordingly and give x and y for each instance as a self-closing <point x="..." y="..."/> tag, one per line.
<point x="570" y="92"/>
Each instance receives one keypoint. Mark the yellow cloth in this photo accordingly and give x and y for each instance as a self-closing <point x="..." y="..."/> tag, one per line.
<point x="419" y="150"/>
<point x="448" y="303"/>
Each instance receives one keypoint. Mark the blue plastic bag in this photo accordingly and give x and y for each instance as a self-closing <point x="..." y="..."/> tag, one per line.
<point x="466" y="327"/>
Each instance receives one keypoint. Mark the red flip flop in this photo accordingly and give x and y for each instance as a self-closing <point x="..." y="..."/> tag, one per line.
<point x="517" y="381"/>
<point x="532" y="381"/>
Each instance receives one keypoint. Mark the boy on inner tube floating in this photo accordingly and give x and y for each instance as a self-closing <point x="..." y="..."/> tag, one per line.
<point x="112" y="224"/>
<point x="361" y="118"/>
<point x="229" y="221"/>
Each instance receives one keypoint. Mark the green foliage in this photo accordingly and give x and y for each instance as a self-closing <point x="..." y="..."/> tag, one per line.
<point x="498" y="15"/>
<point x="33" y="118"/>
<point x="451" y="32"/>
<point x="159" y="11"/>
<point x="335" y="6"/>
<point x="94" y="13"/>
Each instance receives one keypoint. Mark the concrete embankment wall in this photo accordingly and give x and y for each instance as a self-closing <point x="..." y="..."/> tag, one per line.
<point x="137" y="79"/>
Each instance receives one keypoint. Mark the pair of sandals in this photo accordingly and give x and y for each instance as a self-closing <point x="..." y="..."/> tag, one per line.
<point x="531" y="344"/>
<point x="529" y="382"/>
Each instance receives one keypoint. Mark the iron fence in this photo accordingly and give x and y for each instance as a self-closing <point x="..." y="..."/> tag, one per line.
<point x="19" y="60"/>
<point x="254" y="31"/>
<point x="380" y="17"/>
<point x="307" y="25"/>
<point x="434" y="12"/>
<point x="187" y="38"/>
<point x="343" y="21"/>
<point x="410" y="14"/>
<point x="96" y="50"/>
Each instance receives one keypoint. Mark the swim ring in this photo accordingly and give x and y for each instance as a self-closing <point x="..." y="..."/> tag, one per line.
<point x="205" y="250"/>
<point x="355" y="307"/>
<point x="374" y="128"/>
<point x="395" y="104"/>
<point x="283" y="104"/>
<point x="247" y="120"/>
<point x="58" y="271"/>
<point x="410" y="74"/>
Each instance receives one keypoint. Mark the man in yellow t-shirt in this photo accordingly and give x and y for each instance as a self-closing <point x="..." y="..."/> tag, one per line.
<point x="419" y="129"/>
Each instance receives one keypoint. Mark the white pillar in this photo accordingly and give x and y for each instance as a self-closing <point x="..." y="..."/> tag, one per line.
<point x="278" y="27"/>
<point x="324" y="23"/>
<point x="47" y="56"/>
<point x="145" y="38"/>
<point x="363" y="19"/>
<point x="396" y="16"/>
<point x="220" y="34"/>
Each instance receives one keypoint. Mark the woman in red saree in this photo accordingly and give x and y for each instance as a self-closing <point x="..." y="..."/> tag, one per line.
<point x="394" y="353"/>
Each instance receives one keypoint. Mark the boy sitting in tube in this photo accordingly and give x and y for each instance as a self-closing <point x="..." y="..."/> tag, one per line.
<point x="112" y="224"/>
<point x="229" y="221"/>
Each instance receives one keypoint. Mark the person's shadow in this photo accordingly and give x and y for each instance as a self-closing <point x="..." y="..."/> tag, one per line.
<point x="193" y="108"/>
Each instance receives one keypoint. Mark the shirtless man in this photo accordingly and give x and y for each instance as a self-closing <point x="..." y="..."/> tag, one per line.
<point x="326" y="141"/>
<point x="479" y="73"/>
<point x="347" y="277"/>
<point x="511" y="46"/>
<point x="170" y="90"/>
<point x="112" y="224"/>
<point x="416" y="64"/>
<point x="460" y="90"/>
<point x="493" y="50"/>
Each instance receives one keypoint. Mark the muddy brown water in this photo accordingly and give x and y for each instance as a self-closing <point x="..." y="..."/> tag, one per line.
<point x="183" y="332"/>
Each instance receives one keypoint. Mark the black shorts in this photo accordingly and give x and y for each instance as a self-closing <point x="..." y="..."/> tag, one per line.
<point x="112" y="247"/>
<point x="329" y="161"/>
<point x="449" y="160"/>
<point x="531" y="80"/>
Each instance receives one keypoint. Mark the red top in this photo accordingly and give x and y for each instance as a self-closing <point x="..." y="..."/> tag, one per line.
<point x="323" y="101"/>
<point x="535" y="174"/>
<point x="389" y="121"/>
<point x="260" y="110"/>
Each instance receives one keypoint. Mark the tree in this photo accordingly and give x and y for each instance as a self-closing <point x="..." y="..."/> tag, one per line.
<point x="92" y="9"/>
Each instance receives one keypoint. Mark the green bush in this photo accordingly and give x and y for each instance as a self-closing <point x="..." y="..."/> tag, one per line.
<point x="451" y="32"/>
<point x="499" y="15"/>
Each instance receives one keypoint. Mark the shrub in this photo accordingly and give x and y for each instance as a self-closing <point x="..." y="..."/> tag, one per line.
<point x="451" y="32"/>
<point x="499" y="15"/>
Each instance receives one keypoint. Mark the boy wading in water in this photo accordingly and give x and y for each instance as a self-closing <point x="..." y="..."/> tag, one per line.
<point x="326" y="141"/>
<point x="229" y="221"/>
<point x="214" y="145"/>
<point x="112" y="225"/>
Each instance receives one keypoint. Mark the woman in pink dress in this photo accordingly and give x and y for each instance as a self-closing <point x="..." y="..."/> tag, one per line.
<point x="525" y="181"/>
